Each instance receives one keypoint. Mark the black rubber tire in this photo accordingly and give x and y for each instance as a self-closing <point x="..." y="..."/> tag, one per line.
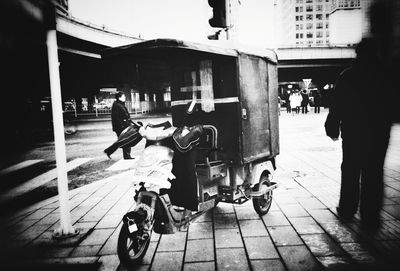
<point x="262" y="204"/>
<point x="125" y="257"/>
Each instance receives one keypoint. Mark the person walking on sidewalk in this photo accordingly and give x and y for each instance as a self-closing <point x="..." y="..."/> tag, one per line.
<point x="365" y="134"/>
<point x="120" y="119"/>
<point x="288" y="107"/>
<point x="295" y="102"/>
<point x="304" y="101"/>
<point x="317" y="102"/>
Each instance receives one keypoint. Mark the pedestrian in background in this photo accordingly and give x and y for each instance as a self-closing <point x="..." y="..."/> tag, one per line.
<point x="365" y="133"/>
<point x="317" y="102"/>
<point x="293" y="102"/>
<point x="120" y="119"/>
<point x="296" y="102"/>
<point x="304" y="101"/>
<point x="288" y="106"/>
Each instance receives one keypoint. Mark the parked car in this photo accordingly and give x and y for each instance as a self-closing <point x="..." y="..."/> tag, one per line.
<point x="102" y="105"/>
<point x="69" y="106"/>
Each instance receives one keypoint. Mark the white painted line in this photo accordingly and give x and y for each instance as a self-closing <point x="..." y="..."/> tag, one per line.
<point x="19" y="166"/>
<point x="122" y="165"/>
<point x="40" y="180"/>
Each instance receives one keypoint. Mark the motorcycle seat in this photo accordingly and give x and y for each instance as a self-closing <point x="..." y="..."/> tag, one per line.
<point x="156" y="132"/>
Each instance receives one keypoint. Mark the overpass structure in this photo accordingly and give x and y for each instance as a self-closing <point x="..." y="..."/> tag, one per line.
<point x="86" y="33"/>
<point x="79" y="46"/>
<point x="321" y="64"/>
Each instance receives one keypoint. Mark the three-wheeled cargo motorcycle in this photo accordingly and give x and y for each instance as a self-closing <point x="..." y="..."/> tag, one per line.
<point x="221" y="144"/>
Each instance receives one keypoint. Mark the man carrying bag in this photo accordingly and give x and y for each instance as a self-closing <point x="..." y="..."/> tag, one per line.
<point x="122" y="125"/>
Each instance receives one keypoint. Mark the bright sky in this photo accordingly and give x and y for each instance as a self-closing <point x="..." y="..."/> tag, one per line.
<point x="182" y="19"/>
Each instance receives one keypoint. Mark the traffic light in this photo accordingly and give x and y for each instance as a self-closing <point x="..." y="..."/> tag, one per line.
<point x="219" y="13"/>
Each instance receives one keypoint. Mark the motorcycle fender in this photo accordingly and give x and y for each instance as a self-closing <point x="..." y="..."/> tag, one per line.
<point x="163" y="219"/>
<point x="259" y="169"/>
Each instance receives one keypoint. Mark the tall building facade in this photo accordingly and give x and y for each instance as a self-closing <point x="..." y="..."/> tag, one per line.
<point x="304" y="22"/>
<point x="316" y="23"/>
<point x="349" y="21"/>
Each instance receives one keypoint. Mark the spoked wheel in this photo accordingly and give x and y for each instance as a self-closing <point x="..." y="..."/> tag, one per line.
<point x="262" y="204"/>
<point x="131" y="247"/>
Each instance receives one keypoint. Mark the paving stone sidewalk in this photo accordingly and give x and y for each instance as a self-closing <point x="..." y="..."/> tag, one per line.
<point x="300" y="232"/>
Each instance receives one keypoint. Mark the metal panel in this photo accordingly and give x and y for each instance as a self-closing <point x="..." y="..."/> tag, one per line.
<point x="273" y="108"/>
<point x="254" y="98"/>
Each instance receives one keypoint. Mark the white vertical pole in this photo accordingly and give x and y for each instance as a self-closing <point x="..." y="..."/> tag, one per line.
<point x="66" y="227"/>
<point x="275" y="42"/>
<point x="228" y="17"/>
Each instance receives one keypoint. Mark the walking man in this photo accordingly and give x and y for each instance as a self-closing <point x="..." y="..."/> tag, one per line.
<point x="317" y="102"/>
<point x="120" y="119"/>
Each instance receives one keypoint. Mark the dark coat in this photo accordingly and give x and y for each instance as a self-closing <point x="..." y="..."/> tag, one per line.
<point x="119" y="116"/>
<point x="305" y="97"/>
<point x="357" y="111"/>
<point x="317" y="99"/>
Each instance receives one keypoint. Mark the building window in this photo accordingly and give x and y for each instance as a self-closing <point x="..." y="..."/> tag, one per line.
<point x="309" y="35"/>
<point x="309" y="26"/>
<point x="318" y="16"/>
<point x="319" y="25"/>
<point x="299" y="27"/>
<point x="345" y="4"/>
<point x="309" y="8"/>
<point x="299" y="35"/>
<point x="320" y="42"/>
<point x="309" y="1"/>
<point x="326" y="25"/>
<point x="299" y="9"/>
<point x="318" y="8"/>
<point x="319" y="34"/>
<point x="299" y="1"/>
<point x="327" y="16"/>
<point x="299" y="18"/>
<point x="309" y="17"/>
<point x="327" y="34"/>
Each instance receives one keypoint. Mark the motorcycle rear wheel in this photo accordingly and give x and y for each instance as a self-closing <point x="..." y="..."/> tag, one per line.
<point x="131" y="249"/>
<point x="262" y="204"/>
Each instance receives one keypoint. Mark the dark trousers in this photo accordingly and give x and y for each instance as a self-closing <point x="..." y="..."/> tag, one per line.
<point x="317" y="109"/>
<point x="362" y="178"/>
<point x="126" y="151"/>
<point x="304" y="109"/>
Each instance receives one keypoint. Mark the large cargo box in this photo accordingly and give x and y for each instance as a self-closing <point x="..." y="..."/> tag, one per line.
<point x="236" y="90"/>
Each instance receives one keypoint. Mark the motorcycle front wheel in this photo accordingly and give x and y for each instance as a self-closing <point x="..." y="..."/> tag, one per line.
<point x="131" y="248"/>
